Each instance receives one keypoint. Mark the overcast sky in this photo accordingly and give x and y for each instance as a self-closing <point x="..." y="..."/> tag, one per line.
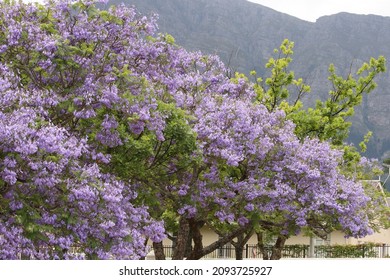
<point x="310" y="10"/>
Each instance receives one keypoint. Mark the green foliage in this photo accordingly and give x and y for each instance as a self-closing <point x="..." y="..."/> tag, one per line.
<point x="274" y="93"/>
<point x="295" y="251"/>
<point x="170" y="219"/>
<point x="347" y="251"/>
<point x="328" y="120"/>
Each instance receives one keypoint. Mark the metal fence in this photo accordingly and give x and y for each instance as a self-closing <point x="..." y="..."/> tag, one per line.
<point x="251" y="251"/>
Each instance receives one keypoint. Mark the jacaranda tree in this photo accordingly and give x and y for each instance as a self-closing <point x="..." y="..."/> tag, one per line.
<point x="327" y="121"/>
<point x="108" y="129"/>
<point x="57" y="91"/>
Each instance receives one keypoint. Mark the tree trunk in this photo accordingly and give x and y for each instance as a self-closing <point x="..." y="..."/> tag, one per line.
<point x="239" y="245"/>
<point x="239" y="250"/>
<point x="197" y="237"/>
<point x="260" y="245"/>
<point x="188" y="249"/>
<point x="182" y="238"/>
<point x="223" y="241"/>
<point x="158" y="251"/>
<point x="278" y="247"/>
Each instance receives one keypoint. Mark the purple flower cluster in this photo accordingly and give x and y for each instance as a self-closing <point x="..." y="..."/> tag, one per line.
<point x="57" y="199"/>
<point x="109" y="119"/>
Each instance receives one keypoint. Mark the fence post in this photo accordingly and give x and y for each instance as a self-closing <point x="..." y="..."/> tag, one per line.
<point x="364" y="246"/>
<point x="383" y="253"/>
<point x="311" y="248"/>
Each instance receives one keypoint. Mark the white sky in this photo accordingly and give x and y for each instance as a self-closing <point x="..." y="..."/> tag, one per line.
<point x="311" y="10"/>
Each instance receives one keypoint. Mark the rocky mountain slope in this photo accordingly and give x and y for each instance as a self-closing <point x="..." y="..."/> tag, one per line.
<point x="244" y="35"/>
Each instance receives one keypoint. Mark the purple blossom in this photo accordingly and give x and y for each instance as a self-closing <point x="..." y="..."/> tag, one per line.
<point x="183" y="190"/>
<point x="249" y="207"/>
<point x="14" y="34"/>
<point x="78" y="134"/>
<point x="9" y="176"/>
<point x="137" y="127"/>
<point x="242" y="221"/>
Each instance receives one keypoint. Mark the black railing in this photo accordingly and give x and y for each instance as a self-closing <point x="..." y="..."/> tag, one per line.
<point x="226" y="252"/>
<point x="251" y="251"/>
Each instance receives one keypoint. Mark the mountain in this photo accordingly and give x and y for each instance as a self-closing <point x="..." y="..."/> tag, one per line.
<point x="244" y="35"/>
